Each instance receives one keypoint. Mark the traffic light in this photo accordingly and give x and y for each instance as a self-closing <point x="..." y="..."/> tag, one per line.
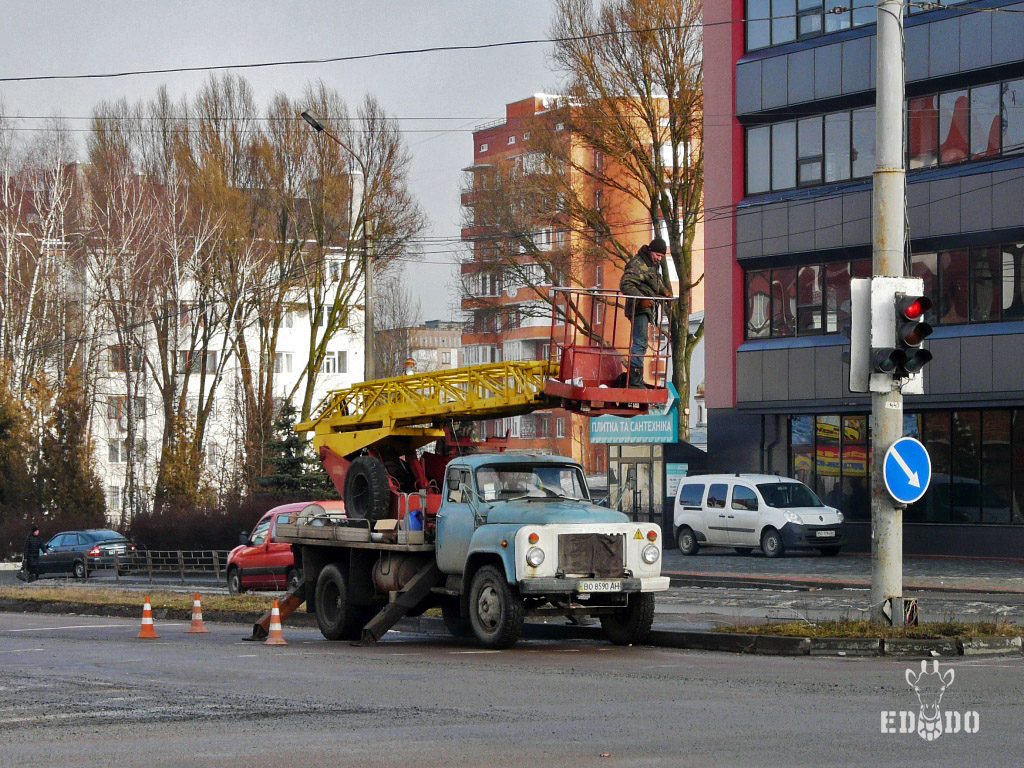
<point x="891" y="355"/>
<point x="911" y="330"/>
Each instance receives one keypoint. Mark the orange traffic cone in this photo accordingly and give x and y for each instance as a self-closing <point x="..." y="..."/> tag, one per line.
<point x="275" y="636"/>
<point x="197" y="617"/>
<point x="147" y="632"/>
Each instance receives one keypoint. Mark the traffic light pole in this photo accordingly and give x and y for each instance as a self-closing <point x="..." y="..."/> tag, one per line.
<point x="888" y="235"/>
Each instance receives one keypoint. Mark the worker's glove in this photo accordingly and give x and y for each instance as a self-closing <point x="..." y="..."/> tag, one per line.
<point x="646" y="304"/>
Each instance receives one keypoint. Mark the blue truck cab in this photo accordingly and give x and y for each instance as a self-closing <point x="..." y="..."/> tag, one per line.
<point x="518" y="535"/>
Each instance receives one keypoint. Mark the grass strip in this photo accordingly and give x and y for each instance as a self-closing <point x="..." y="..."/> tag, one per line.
<point x="132" y="599"/>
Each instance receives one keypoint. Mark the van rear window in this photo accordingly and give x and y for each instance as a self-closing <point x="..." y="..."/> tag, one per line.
<point x="717" y="494"/>
<point x="691" y="494"/>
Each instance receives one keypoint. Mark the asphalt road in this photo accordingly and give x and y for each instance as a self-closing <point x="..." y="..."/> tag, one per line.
<point x="81" y="691"/>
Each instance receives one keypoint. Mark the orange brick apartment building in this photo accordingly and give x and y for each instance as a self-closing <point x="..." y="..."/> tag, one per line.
<point x="506" y="318"/>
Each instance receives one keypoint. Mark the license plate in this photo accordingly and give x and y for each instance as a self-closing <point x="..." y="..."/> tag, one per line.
<point x="599" y="586"/>
<point x="825" y="534"/>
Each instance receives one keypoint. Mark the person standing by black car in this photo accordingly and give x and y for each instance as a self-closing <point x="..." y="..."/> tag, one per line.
<point x="33" y="546"/>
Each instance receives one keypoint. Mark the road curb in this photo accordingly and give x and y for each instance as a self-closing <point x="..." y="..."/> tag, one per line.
<point x="723" y="642"/>
<point x="724" y="581"/>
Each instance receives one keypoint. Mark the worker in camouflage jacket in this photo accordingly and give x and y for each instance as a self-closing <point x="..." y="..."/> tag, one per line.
<point x="641" y="281"/>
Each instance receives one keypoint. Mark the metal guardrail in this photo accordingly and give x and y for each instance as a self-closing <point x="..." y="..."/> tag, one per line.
<point x="181" y="562"/>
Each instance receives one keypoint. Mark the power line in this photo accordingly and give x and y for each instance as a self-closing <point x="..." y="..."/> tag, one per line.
<point x="364" y="56"/>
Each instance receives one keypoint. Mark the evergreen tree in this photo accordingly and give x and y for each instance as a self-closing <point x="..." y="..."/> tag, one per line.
<point x="294" y="473"/>
<point x="70" y="490"/>
<point x="15" y="484"/>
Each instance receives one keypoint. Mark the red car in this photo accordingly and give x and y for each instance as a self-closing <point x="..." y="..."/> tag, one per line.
<point x="263" y="562"/>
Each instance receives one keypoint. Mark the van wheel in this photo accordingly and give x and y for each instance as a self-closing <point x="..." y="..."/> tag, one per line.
<point x="631" y="624"/>
<point x="743" y="550"/>
<point x="367" y="489"/>
<point x="829" y="551"/>
<point x="78" y="570"/>
<point x="235" y="582"/>
<point x="771" y="543"/>
<point x="687" y="541"/>
<point x="336" y="618"/>
<point x="495" y="610"/>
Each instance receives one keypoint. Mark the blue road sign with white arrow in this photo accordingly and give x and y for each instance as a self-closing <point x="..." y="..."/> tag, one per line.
<point x="907" y="470"/>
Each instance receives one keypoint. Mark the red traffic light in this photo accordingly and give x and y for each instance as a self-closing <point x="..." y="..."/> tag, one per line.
<point x="912" y="307"/>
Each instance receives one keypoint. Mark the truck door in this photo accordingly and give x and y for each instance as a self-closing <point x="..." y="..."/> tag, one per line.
<point x="455" y="524"/>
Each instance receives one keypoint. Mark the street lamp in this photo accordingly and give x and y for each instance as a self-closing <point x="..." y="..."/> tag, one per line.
<point x="368" y="347"/>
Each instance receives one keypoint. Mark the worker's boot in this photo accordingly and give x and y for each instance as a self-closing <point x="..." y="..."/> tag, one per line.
<point x="636" y="378"/>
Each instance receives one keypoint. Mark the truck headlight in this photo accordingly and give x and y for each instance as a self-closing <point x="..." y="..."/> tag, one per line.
<point x="793" y="517"/>
<point x="534" y="557"/>
<point x="650" y="554"/>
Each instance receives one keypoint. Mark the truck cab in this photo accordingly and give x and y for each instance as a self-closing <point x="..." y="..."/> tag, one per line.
<point x="519" y="534"/>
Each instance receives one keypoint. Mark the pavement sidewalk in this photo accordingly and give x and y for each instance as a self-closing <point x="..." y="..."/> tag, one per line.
<point x="725" y="568"/>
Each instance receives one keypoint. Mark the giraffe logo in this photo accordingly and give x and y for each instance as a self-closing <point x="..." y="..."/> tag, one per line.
<point x="930" y="721"/>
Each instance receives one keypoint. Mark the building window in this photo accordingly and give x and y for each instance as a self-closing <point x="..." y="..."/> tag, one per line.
<point x="976" y="285"/>
<point x="483" y="147"/>
<point x="811" y="151"/>
<point x="758" y="301"/>
<point x="811" y="299"/>
<point x="283" y="362"/>
<point x="809" y="295"/>
<point x="114" y="498"/>
<point x="922" y="132"/>
<point x="1013" y="116"/>
<point x="335" y="362"/>
<point x="784" y="155"/>
<point x="560" y="426"/>
<point x="117" y="451"/>
<point x="446" y="358"/>
<point x="783" y="305"/>
<point x="192" y="361"/>
<point x="511" y="140"/>
<point x="119" y="359"/>
<point x="776" y="22"/>
<point x="837" y="147"/>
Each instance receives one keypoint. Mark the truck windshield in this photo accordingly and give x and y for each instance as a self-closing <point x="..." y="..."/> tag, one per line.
<point x="505" y="482"/>
<point x="785" y="495"/>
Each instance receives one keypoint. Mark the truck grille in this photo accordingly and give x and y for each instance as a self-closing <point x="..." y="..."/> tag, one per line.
<point x="592" y="554"/>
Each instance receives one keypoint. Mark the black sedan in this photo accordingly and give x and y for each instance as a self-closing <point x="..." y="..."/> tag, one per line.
<point x="81" y="552"/>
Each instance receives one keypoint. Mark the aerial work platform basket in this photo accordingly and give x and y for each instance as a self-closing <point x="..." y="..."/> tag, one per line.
<point x="585" y="373"/>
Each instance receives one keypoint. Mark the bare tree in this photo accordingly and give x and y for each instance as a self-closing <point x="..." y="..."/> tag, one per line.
<point x="396" y="311"/>
<point x="358" y="200"/>
<point x="634" y="88"/>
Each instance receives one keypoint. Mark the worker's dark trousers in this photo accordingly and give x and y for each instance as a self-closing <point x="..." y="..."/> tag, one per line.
<point x="637" y="350"/>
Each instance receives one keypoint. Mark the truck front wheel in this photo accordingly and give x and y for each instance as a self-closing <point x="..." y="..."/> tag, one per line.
<point x="495" y="611"/>
<point x="631" y="624"/>
<point x="336" y="618"/>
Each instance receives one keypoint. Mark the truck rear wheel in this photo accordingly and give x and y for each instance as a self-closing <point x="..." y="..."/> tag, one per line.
<point x="336" y="618"/>
<point x="495" y="611"/>
<point x="631" y="624"/>
<point x="367" y="490"/>
<point x="457" y="624"/>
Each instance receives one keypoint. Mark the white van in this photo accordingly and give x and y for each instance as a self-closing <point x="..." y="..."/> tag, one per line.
<point x="747" y="512"/>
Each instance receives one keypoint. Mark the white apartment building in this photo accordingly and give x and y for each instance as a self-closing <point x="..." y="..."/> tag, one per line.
<point x="342" y="367"/>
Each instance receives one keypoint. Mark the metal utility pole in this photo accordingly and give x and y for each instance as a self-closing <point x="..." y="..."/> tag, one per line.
<point x="368" y="349"/>
<point x="888" y="237"/>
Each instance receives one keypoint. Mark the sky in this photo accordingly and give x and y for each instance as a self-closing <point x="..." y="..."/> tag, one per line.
<point x="45" y="37"/>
